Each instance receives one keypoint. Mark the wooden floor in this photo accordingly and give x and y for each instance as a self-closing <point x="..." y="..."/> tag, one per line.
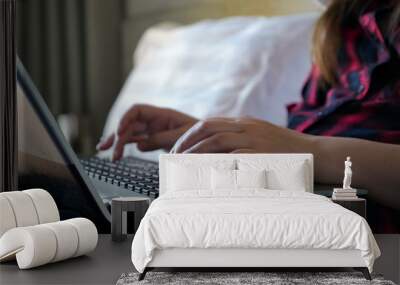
<point x="389" y="262"/>
<point x="103" y="266"/>
<point x="110" y="260"/>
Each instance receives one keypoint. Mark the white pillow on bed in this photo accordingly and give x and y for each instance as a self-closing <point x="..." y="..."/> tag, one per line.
<point x="288" y="175"/>
<point x="189" y="175"/>
<point x="251" y="178"/>
<point x="183" y="178"/>
<point x="239" y="66"/>
<point x="226" y="179"/>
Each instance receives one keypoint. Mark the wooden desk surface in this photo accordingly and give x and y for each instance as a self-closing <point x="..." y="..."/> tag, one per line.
<point x="103" y="266"/>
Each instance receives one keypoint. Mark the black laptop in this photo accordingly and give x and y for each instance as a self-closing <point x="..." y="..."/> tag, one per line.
<point x="81" y="188"/>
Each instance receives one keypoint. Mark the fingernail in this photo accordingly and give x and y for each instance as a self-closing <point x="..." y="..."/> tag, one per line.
<point x="101" y="141"/>
<point x="99" y="145"/>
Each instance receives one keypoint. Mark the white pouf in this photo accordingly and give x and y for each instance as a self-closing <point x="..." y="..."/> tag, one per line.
<point x="31" y="231"/>
<point x="37" y="245"/>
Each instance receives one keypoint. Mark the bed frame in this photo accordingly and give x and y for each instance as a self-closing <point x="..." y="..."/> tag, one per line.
<point x="248" y="259"/>
<point x="259" y="259"/>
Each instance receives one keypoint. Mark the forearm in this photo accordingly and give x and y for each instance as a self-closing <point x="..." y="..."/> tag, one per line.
<point x="376" y="166"/>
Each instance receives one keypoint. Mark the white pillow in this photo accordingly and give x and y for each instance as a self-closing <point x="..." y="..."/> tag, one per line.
<point x="291" y="175"/>
<point x="223" y="179"/>
<point x="251" y="178"/>
<point x="230" y="180"/>
<point x="239" y="66"/>
<point x="183" y="175"/>
<point x="184" y="178"/>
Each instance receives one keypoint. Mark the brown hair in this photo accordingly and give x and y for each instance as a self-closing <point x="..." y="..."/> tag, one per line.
<point x="327" y="38"/>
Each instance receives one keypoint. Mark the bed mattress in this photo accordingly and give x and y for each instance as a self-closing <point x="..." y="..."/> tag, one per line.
<point x="250" y="219"/>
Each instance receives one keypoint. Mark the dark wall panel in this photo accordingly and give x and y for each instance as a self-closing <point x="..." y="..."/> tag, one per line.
<point x="8" y="135"/>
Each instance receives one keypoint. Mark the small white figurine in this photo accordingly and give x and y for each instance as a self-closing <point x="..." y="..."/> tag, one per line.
<point x="348" y="173"/>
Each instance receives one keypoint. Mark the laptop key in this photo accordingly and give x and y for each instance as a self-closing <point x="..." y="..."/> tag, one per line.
<point x="129" y="173"/>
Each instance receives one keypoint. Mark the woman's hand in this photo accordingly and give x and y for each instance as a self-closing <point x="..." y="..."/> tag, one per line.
<point x="148" y="126"/>
<point x="242" y="135"/>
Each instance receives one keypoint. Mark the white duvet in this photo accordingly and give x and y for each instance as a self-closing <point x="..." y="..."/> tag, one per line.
<point x="250" y="219"/>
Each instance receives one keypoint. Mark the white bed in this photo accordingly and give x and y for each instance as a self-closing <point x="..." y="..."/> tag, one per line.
<point x="250" y="227"/>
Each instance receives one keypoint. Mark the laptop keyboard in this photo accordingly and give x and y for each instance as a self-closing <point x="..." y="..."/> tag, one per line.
<point x="131" y="173"/>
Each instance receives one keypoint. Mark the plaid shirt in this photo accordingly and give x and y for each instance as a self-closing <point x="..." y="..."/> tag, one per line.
<point x="366" y="101"/>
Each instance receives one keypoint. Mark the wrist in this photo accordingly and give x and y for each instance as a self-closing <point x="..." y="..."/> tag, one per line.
<point x="309" y="144"/>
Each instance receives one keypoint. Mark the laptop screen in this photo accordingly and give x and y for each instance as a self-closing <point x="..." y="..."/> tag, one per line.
<point x="37" y="152"/>
<point x="45" y="160"/>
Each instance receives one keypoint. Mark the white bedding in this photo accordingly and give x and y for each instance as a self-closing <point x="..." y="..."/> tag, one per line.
<point x="250" y="219"/>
